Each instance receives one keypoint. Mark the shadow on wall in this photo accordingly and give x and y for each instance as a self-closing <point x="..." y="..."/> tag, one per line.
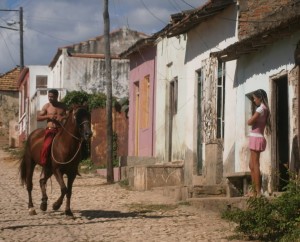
<point x="229" y="164"/>
<point x="205" y="42"/>
<point x="295" y="162"/>
<point x="260" y="62"/>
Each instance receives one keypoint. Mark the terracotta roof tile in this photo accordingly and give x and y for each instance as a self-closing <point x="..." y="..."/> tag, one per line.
<point x="9" y="80"/>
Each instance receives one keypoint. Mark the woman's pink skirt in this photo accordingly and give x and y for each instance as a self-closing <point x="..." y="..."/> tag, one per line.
<point x="257" y="143"/>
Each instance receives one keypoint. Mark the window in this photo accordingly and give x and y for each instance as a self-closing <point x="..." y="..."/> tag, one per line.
<point x="41" y="82"/>
<point x="174" y="96"/>
<point x="220" y="100"/>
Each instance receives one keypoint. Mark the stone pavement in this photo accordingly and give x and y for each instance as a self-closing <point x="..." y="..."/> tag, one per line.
<point x="101" y="213"/>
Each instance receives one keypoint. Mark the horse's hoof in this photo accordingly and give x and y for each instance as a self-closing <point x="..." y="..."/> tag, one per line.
<point x="69" y="213"/>
<point x="43" y="206"/>
<point x="32" y="211"/>
<point x="56" y="206"/>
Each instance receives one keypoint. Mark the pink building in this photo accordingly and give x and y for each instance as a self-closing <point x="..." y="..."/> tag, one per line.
<point x="142" y="82"/>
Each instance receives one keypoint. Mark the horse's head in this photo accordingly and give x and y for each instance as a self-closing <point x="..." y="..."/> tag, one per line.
<point x="82" y="118"/>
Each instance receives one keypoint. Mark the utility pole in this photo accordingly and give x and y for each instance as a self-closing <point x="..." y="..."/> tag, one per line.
<point x="20" y="31"/>
<point x="109" y="132"/>
<point x="21" y="39"/>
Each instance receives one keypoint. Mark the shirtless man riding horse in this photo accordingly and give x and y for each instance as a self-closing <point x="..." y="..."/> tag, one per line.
<point x="64" y="141"/>
<point x="54" y="112"/>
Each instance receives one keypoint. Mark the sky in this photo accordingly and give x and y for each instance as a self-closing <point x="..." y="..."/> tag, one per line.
<point x="50" y="24"/>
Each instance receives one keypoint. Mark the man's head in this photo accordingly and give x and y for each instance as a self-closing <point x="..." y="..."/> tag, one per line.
<point x="52" y="95"/>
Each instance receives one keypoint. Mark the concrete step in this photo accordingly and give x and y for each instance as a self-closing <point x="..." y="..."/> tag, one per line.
<point x="207" y="191"/>
<point x="182" y="193"/>
<point x="218" y="204"/>
<point x="178" y="193"/>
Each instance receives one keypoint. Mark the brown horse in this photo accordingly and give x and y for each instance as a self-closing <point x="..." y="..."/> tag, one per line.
<point x="64" y="159"/>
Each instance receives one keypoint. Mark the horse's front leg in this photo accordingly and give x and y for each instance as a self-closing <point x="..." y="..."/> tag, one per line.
<point x="71" y="179"/>
<point x="63" y="189"/>
<point x="46" y="173"/>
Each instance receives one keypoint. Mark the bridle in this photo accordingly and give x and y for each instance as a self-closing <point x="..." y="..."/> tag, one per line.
<point x="68" y="132"/>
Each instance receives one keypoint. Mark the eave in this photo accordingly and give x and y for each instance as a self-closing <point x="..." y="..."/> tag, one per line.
<point x="89" y="55"/>
<point x="140" y="44"/>
<point x="274" y="31"/>
<point x="198" y="16"/>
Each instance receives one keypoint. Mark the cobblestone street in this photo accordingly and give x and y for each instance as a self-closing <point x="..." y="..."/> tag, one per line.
<point x="101" y="213"/>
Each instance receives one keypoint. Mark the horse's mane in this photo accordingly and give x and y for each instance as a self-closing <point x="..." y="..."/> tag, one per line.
<point x="75" y="107"/>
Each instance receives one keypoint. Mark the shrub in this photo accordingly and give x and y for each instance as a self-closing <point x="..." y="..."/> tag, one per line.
<point x="270" y="219"/>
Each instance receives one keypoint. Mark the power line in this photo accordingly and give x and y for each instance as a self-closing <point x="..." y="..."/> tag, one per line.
<point x="188" y="4"/>
<point x="174" y="5"/>
<point x="51" y="36"/>
<point x="9" y="52"/>
<point x="152" y="13"/>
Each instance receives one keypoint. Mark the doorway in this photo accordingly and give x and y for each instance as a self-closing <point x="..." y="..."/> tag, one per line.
<point x="280" y="129"/>
<point x="137" y="118"/>
<point x="199" y="121"/>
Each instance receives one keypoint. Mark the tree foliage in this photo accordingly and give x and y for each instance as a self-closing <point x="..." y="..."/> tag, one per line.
<point x="96" y="100"/>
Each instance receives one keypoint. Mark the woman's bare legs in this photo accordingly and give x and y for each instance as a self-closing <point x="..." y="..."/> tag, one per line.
<point x="255" y="171"/>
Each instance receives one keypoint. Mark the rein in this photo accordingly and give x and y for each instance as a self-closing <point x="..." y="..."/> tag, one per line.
<point x="64" y="163"/>
<point x="81" y="140"/>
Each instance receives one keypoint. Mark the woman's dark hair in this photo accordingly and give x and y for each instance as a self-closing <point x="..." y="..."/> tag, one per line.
<point x="53" y="91"/>
<point x="261" y="94"/>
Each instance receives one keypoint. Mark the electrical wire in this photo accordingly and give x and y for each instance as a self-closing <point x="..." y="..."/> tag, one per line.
<point x="188" y="4"/>
<point x="9" y="52"/>
<point x="49" y="35"/>
<point x="152" y="13"/>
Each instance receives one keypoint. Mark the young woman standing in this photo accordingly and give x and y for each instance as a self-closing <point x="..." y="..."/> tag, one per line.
<point x="259" y="121"/>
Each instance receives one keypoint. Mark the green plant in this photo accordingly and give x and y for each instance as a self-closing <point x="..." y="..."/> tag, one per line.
<point x="14" y="152"/>
<point x="86" y="164"/>
<point x="115" y="150"/>
<point x="76" y="97"/>
<point x="95" y="100"/>
<point x="270" y="219"/>
<point x="124" y="183"/>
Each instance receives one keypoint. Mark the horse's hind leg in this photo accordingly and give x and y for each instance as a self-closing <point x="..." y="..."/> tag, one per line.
<point x="29" y="185"/>
<point x="46" y="173"/>
<point x="59" y="177"/>
<point x="71" y="179"/>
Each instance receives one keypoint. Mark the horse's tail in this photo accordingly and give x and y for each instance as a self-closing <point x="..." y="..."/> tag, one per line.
<point x="22" y="170"/>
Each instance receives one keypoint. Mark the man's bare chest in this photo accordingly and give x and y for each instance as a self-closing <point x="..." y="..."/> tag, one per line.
<point x="54" y="110"/>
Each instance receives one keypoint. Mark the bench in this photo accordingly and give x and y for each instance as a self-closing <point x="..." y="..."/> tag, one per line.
<point x="237" y="183"/>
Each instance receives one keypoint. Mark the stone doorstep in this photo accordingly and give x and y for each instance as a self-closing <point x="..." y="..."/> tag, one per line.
<point x="218" y="204"/>
<point x="207" y="191"/>
<point x="160" y="165"/>
<point x="214" y="203"/>
<point x="237" y="181"/>
<point x="177" y="193"/>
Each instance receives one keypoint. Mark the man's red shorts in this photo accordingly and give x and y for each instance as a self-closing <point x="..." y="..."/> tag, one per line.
<point x="49" y="136"/>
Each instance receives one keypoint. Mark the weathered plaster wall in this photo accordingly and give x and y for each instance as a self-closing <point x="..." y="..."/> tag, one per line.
<point x="210" y="36"/>
<point x="9" y="109"/>
<point x="37" y="100"/>
<point x="170" y="64"/>
<point x="88" y="74"/>
<point x="253" y="72"/>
